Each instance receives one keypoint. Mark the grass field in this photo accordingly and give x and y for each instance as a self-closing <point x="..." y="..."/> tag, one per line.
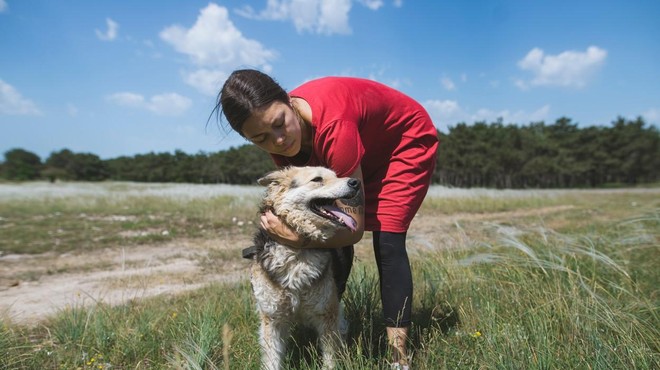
<point x="136" y="276"/>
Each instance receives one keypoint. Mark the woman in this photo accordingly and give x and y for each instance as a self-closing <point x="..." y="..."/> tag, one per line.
<point x="358" y="128"/>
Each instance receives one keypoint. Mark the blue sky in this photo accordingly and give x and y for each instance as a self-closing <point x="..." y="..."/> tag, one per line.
<point x="129" y="77"/>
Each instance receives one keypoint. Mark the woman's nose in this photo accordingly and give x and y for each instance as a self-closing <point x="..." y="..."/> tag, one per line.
<point x="280" y="137"/>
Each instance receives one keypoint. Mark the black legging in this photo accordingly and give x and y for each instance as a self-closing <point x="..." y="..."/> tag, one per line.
<point x="342" y="262"/>
<point x="396" y="286"/>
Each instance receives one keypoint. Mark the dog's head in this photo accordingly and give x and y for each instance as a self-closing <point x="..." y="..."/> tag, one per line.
<point x="304" y="198"/>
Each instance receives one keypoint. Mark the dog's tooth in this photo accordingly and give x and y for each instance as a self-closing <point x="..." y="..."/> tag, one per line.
<point x="341" y="216"/>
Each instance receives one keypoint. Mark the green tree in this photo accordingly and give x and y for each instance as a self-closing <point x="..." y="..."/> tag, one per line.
<point x="244" y="165"/>
<point x="57" y="165"/>
<point x="89" y="167"/>
<point x="21" y="165"/>
<point x="633" y="151"/>
<point x="66" y="165"/>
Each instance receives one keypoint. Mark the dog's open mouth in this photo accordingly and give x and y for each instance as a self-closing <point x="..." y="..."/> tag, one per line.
<point x="326" y="208"/>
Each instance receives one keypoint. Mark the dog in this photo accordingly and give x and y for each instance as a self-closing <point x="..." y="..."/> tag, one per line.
<point x="298" y="285"/>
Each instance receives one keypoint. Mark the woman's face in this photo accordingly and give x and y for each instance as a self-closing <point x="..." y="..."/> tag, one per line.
<point x="275" y="128"/>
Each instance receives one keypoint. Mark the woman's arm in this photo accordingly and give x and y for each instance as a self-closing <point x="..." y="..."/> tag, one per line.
<point x="342" y="238"/>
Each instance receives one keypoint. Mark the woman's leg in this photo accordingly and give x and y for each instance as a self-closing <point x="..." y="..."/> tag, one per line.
<point x="342" y="262"/>
<point x="396" y="288"/>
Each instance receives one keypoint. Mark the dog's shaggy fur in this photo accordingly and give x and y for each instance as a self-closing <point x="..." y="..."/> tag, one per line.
<point x="296" y="284"/>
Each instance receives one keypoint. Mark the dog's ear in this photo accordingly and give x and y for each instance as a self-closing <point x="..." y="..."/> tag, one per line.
<point x="269" y="178"/>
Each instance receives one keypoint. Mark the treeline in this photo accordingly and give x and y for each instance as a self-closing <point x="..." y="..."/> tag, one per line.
<point x="241" y="165"/>
<point x="483" y="154"/>
<point x="559" y="155"/>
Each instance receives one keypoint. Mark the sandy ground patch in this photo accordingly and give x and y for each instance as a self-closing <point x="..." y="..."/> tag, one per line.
<point x="34" y="286"/>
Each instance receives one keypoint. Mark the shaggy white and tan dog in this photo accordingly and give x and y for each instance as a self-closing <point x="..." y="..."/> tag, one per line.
<point x="297" y="285"/>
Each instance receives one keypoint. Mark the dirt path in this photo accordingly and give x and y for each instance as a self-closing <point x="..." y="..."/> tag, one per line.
<point x="35" y="286"/>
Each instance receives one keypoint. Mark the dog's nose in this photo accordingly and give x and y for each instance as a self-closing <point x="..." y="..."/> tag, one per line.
<point x="354" y="183"/>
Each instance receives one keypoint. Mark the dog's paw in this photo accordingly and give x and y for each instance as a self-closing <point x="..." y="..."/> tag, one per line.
<point x="398" y="366"/>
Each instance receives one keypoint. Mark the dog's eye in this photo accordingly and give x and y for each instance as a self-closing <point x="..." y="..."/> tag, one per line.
<point x="317" y="179"/>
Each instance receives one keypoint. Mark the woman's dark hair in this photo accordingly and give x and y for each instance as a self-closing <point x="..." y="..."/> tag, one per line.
<point x="245" y="91"/>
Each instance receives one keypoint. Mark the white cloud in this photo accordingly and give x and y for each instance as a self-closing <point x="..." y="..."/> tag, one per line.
<point x="275" y="11"/>
<point x="315" y="16"/>
<point x="3" y="6"/>
<point x="398" y="3"/>
<point x="372" y="4"/>
<point x="111" y="33"/>
<point x="447" y="83"/>
<point x="569" y="68"/>
<point x="521" y="84"/>
<point x="652" y="116"/>
<point x="207" y="81"/>
<point x="333" y="17"/>
<point x="442" y="107"/>
<point x="443" y="112"/>
<point x="168" y="104"/>
<point x="397" y="83"/>
<point x="13" y="103"/>
<point x="214" y="41"/>
<point x="127" y="99"/>
<point x="447" y="113"/>
<point x="519" y="117"/>
<point x="215" y="46"/>
<point x="377" y="72"/>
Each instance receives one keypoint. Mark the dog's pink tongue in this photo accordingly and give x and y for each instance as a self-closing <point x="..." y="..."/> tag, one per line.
<point x="345" y="219"/>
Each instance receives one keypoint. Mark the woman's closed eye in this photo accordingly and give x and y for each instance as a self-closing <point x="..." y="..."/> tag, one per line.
<point x="259" y="139"/>
<point x="279" y="120"/>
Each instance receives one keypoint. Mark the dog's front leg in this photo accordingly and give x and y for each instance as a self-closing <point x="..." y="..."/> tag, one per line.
<point x="272" y="337"/>
<point x="330" y="340"/>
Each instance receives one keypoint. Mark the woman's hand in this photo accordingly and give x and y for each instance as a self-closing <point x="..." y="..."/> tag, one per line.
<point x="281" y="232"/>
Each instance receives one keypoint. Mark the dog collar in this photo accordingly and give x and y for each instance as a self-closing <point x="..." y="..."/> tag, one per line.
<point x="250" y="252"/>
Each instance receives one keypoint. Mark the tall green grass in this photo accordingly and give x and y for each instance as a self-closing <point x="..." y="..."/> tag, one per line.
<point x="551" y="301"/>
